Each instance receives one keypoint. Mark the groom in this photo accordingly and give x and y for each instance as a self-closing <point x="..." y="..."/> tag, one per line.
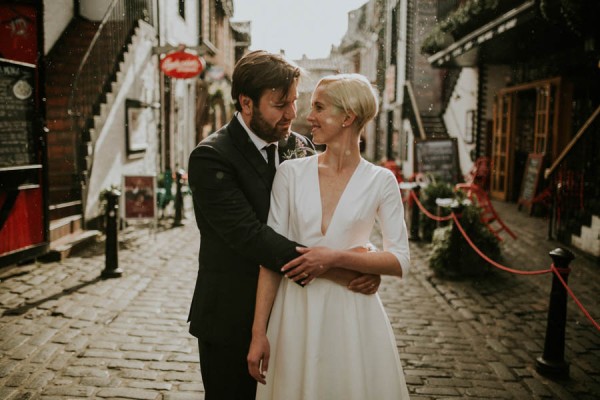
<point x="230" y="175"/>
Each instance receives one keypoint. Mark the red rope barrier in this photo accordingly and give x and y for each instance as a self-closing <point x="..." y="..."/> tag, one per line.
<point x="426" y="212"/>
<point x="489" y="260"/>
<point x="552" y="268"/>
<point x="575" y="299"/>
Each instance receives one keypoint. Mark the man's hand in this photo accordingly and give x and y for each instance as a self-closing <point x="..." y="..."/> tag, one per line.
<point x="258" y="357"/>
<point x="313" y="262"/>
<point x="365" y="284"/>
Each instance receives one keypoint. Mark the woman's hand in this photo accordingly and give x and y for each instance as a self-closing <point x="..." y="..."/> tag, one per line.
<point x="313" y="262"/>
<point x="258" y="357"/>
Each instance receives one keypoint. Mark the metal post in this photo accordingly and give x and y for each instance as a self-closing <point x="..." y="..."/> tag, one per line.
<point x="456" y="239"/>
<point x="414" y="215"/>
<point x="552" y="363"/>
<point x="178" y="197"/>
<point x="111" y="266"/>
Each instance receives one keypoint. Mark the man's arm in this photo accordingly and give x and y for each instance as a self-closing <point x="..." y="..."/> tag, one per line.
<point x="221" y="202"/>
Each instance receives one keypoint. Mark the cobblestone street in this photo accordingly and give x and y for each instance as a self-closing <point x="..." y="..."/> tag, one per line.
<point x="66" y="333"/>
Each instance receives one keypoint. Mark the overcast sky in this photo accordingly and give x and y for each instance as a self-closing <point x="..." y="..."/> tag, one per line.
<point x="297" y="26"/>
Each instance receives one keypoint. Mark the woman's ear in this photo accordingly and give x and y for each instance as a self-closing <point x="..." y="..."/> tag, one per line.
<point x="349" y="119"/>
<point x="246" y="103"/>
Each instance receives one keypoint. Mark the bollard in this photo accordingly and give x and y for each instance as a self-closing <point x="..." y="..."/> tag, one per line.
<point x="111" y="265"/>
<point x="456" y="238"/>
<point x="552" y="363"/>
<point x="414" y="215"/>
<point x="178" y="197"/>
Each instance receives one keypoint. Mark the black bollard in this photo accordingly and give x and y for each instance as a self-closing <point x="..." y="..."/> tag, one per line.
<point x="552" y="363"/>
<point x="178" y="197"/>
<point x="456" y="239"/>
<point x="111" y="265"/>
<point x="414" y="215"/>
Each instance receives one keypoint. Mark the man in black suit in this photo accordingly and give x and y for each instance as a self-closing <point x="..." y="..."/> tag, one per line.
<point x="230" y="174"/>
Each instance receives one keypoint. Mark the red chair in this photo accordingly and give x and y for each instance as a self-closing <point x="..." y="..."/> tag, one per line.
<point x="488" y="213"/>
<point x="480" y="173"/>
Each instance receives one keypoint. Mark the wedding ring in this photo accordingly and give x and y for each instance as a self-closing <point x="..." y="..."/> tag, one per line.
<point x="304" y="275"/>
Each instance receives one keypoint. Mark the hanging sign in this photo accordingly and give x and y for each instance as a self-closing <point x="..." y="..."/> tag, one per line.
<point x="182" y="65"/>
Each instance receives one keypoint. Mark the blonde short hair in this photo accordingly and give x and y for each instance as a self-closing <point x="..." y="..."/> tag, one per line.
<point x="352" y="93"/>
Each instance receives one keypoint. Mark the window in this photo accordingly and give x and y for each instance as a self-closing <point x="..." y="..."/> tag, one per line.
<point x="182" y="8"/>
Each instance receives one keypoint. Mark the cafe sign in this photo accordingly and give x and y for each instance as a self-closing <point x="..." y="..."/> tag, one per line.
<point x="182" y="65"/>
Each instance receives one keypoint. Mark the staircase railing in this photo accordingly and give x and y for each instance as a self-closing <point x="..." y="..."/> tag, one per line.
<point x="567" y="149"/>
<point x="414" y="109"/>
<point x="98" y="69"/>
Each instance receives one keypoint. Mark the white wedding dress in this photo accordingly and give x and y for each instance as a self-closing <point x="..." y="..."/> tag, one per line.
<point x="328" y="342"/>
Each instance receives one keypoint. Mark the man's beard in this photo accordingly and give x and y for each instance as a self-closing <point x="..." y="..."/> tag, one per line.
<point x="263" y="130"/>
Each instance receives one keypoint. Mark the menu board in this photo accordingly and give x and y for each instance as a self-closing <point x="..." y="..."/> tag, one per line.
<point x="16" y="113"/>
<point x="439" y="158"/>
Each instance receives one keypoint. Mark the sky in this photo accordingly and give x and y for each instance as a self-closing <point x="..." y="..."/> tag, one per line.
<point x="299" y="27"/>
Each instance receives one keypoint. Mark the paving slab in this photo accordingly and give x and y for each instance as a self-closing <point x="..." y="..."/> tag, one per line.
<point x="66" y="333"/>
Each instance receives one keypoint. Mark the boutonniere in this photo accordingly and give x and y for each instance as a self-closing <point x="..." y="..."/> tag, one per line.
<point x="300" y="150"/>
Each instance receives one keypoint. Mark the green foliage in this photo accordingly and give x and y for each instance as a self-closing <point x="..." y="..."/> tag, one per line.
<point x="453" y="258"/>
<point x="428" y="196"/>
<point x="469" y="16"/>
<point x="102" y="197"/>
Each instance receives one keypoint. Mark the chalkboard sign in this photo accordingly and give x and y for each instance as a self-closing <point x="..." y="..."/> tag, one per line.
<point x="16" y="113"/>
<point x="439" y="158"/>
<point x="531" y="177"/>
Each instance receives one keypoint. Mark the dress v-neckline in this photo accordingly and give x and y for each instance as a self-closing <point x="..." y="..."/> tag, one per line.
<point x="320" y="199"/>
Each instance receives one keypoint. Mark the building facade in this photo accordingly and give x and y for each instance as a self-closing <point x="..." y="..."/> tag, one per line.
<point x="100" y="106"/>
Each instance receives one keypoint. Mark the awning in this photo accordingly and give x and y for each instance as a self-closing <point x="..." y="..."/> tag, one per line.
<point x="464" y="52"/>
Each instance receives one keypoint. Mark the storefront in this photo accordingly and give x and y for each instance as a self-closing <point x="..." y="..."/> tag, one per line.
<point x="23" y="186"/>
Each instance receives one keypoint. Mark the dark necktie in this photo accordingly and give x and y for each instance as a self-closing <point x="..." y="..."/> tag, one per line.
<point x="271" y="158"/>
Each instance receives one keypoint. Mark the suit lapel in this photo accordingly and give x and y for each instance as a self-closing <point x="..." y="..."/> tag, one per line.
<point x="246" y="147"/>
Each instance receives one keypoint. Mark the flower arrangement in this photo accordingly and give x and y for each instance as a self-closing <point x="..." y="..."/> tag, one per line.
<point x="299" y="150"/>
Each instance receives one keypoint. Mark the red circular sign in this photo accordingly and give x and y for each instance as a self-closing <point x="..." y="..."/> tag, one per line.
<point x="182" y="65"/>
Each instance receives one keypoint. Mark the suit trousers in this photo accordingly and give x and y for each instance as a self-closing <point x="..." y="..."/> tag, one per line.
<point x="225" y="373"/>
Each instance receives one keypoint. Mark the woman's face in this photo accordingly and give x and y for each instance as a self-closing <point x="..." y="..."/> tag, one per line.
<point x="326" y="120"/>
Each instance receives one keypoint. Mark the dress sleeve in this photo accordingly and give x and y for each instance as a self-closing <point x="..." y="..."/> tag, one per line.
<point x="279" y="213"/>
<point x="390" y="215"/>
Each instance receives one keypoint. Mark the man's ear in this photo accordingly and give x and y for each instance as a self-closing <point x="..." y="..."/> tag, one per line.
<point x="246" y="103"/>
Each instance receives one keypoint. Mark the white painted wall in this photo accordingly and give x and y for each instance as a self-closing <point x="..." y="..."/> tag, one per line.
<point x="464" y="98"/>
<point x="94" y="10"/>
<point x="57" y="15"/>
<point x="174" y="29"/>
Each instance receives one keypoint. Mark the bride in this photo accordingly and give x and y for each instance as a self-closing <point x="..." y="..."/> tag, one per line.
<point x="324" y="341"/>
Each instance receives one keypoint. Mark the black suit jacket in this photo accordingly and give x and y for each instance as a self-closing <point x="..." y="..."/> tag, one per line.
<point x="231" y="189"/>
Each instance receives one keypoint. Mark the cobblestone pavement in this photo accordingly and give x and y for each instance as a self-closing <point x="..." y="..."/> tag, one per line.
<point x="65" y="333"/>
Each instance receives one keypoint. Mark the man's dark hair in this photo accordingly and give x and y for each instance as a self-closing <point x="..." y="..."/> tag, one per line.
<point x="260" y="70"/>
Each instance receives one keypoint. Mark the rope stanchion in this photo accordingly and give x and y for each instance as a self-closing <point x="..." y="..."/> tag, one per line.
<point x="489" y="260"/>
<point x="426" y="212"/>
<point x="575" y="299"/>
<point x="557" y="271"/>
<point x="521" y="272"/>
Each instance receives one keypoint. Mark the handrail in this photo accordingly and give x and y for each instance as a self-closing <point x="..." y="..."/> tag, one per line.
<point x="568" y="148"/>
<point x="100" y="60"/>
<point x="415" y="109"/>
<point x="97" y="71"/>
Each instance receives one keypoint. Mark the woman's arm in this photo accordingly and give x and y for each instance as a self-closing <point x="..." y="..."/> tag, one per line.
<point x="259" y="353"/>
<point x="316" y="261"/>
<point x="394" y="260"/>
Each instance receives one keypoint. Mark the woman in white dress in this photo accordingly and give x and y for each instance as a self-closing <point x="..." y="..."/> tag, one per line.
<point x="324" y="341"/>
